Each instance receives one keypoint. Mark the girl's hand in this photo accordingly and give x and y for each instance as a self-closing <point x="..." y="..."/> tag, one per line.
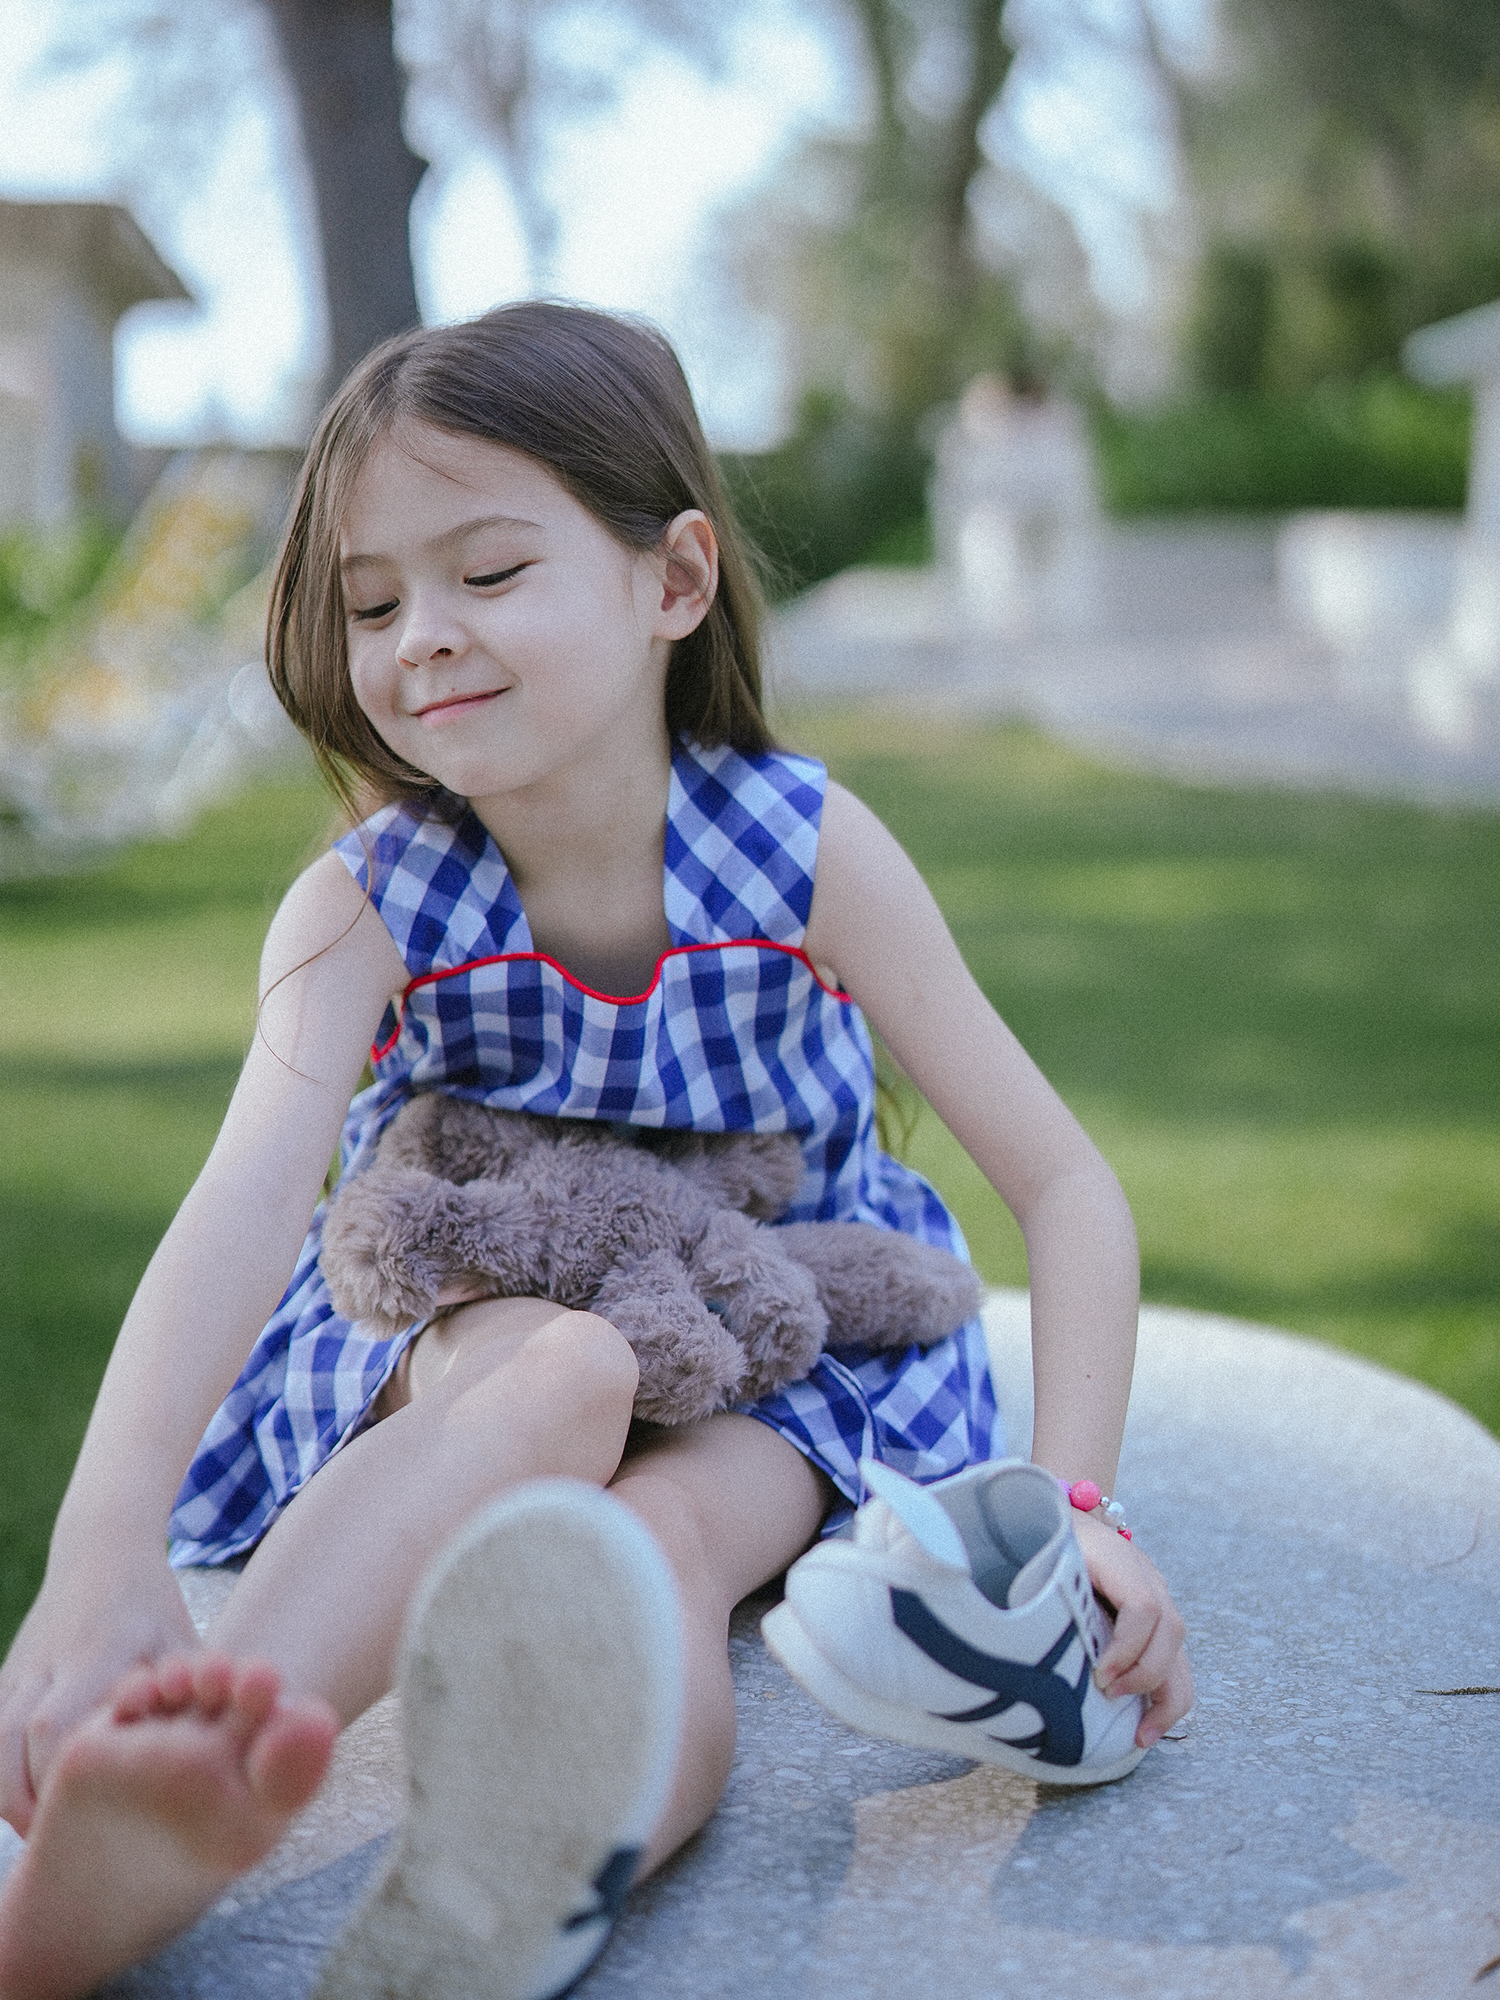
<point x="88" y="1627"/>
<point x="1146" y="1654"/>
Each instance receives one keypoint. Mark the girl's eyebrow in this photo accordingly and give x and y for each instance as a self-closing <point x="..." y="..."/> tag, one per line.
<point x="445" y="540"/>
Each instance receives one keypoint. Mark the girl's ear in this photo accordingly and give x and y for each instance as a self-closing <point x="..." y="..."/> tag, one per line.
<point x="687" y="561"/>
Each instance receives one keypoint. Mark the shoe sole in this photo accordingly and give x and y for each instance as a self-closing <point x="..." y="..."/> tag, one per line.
<point x="787" y="1641"/>
<point x="541" y="1705"/>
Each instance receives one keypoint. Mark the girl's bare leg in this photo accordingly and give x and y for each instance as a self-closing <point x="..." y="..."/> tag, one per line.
<point x="512" y="1390"/>
<point x="523" y="1390"/>
<point x="731" y="1503"/>
<point x="182" y="1780"/>
<point x="188" y="1774"/>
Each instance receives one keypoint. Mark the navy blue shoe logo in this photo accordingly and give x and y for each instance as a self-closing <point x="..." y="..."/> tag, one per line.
<point x="611" y="1885"/>
<point x="1056" y="1699"/>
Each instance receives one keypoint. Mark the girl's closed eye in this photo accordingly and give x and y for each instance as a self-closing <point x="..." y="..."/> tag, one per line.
<point x="372" y="614"/>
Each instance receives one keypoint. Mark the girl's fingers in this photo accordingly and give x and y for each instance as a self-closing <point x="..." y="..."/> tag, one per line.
<point x="1169" y="1704"/>
<point x="1148" y="1638"/>
<point x="17" y="1798"/>
<point x="1153" y="1668"/>
<point x="1144" y="1655"/>
<point x="1136" y="1621"/>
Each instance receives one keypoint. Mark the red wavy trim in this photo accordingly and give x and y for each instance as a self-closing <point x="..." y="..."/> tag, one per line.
<point x="613" y="999"/>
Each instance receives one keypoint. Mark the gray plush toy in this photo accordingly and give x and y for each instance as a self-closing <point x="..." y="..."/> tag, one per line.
<point x="658" y="1232"/>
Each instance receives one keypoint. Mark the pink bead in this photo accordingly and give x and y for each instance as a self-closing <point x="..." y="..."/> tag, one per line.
<point x="1126" y="1533"/>
<point x="1085" y="1495"/>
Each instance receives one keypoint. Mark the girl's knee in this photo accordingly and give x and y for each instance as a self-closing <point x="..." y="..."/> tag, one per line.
<point x="559" y="1388"/>
<point x="577" y="1361"/>
<point x="485" y="1340"/>
<point x="593" y="1355"/>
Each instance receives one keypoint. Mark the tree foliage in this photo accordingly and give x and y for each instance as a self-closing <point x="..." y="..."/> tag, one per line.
<point x="499" y="73"/>
<point x="1346" y="162"/>
<point x="327" y="69"/>
<point x="509" y="74"/>
<point x="921" y="250"/>
<point x="1377" y="442"/>
<point x="866" y="249"/>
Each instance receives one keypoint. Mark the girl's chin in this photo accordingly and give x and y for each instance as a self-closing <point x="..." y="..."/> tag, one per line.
<point x="475" y="780"/>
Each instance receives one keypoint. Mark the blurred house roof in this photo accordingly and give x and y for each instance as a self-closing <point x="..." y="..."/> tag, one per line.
<point x="96" y="238"/>
<point x="68" y="270"/>
<point x="1456" y="350"/>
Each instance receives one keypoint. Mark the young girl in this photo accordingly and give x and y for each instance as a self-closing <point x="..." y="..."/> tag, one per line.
<point x="513" y="610"/>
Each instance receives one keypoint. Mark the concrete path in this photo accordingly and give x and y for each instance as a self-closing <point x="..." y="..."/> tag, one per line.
<point x="1188" y="664"/>
<point x="1327" y="1824"/>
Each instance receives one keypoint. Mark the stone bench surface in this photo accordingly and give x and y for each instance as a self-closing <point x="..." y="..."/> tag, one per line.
<point x="1326" y="1826"/>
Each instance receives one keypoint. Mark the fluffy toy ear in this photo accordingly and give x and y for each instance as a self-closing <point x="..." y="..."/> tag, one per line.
<point x="880" y="1288"/>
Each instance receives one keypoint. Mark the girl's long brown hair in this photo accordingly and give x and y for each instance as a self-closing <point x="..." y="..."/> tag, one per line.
<point x="602" y="402"/>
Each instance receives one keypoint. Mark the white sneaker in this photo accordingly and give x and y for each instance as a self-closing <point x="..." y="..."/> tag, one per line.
<point x="541" y="1700"/>
<point x="973" y="1584"/>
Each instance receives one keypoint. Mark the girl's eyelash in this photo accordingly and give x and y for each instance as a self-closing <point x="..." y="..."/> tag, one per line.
<point x="490" y="577"/>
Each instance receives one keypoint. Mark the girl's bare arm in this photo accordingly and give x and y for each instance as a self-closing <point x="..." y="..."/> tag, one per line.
<point x="874" y="923"/>
<point x="108" y="1598"/>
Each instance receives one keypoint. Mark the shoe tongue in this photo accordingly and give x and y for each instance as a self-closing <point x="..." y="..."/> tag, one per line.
<point x="1034" y="1576"/>
<point x="924" y="1519"/>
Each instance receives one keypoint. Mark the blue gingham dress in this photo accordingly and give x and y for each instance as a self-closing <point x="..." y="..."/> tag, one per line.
<point x="735" y="1033"/>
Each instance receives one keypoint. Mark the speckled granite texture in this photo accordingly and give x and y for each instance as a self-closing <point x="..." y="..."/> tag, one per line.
<point x="1328" y="1825"/>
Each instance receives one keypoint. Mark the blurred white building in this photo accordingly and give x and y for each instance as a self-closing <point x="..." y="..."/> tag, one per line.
<point x="1015" y="514"/>
<point x="1454" y="681"/>
<point x="68" y="270"/>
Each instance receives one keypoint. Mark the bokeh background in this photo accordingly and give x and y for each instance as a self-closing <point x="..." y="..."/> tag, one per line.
<point x="1059" y="356"/>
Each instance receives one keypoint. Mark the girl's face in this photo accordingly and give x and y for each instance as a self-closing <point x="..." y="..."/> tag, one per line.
<point x="499" y="636"/>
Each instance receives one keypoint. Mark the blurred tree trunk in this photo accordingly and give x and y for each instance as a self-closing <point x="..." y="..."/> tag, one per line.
<point x="339" y="56"/>
<point x="896" y="283"/>
<point x="868" y="254"/>
<point x="960" y="156"/>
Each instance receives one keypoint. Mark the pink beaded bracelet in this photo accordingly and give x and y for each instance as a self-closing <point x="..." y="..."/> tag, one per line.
<point x="1084" y="1494"/>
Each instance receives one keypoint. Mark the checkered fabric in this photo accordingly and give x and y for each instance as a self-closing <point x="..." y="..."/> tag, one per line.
<point x="735" y="1033"/>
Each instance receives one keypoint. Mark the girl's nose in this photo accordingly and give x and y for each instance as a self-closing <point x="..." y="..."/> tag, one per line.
<point x="414" y="653"/>
<point x="427" y="635"/>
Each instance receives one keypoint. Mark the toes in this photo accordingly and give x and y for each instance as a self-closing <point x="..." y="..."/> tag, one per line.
<point x="289" y="1757"/>
<point x="165" y="1687"/>
<point x="175" y="1684"/>
<point x="134" y="1697"/>
<point x="256" y="1687"/>
<point x="213" y="1684"/>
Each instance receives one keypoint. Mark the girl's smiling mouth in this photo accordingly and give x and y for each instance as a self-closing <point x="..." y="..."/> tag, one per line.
<point x="455" y="704"/>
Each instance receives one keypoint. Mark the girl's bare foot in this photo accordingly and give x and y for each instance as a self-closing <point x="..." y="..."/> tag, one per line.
<point x="183" y="1779"/>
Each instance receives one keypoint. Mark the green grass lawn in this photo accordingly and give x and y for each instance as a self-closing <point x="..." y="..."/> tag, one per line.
<point x="126" y="1003"/>
<point x="1276" y="1013"/>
